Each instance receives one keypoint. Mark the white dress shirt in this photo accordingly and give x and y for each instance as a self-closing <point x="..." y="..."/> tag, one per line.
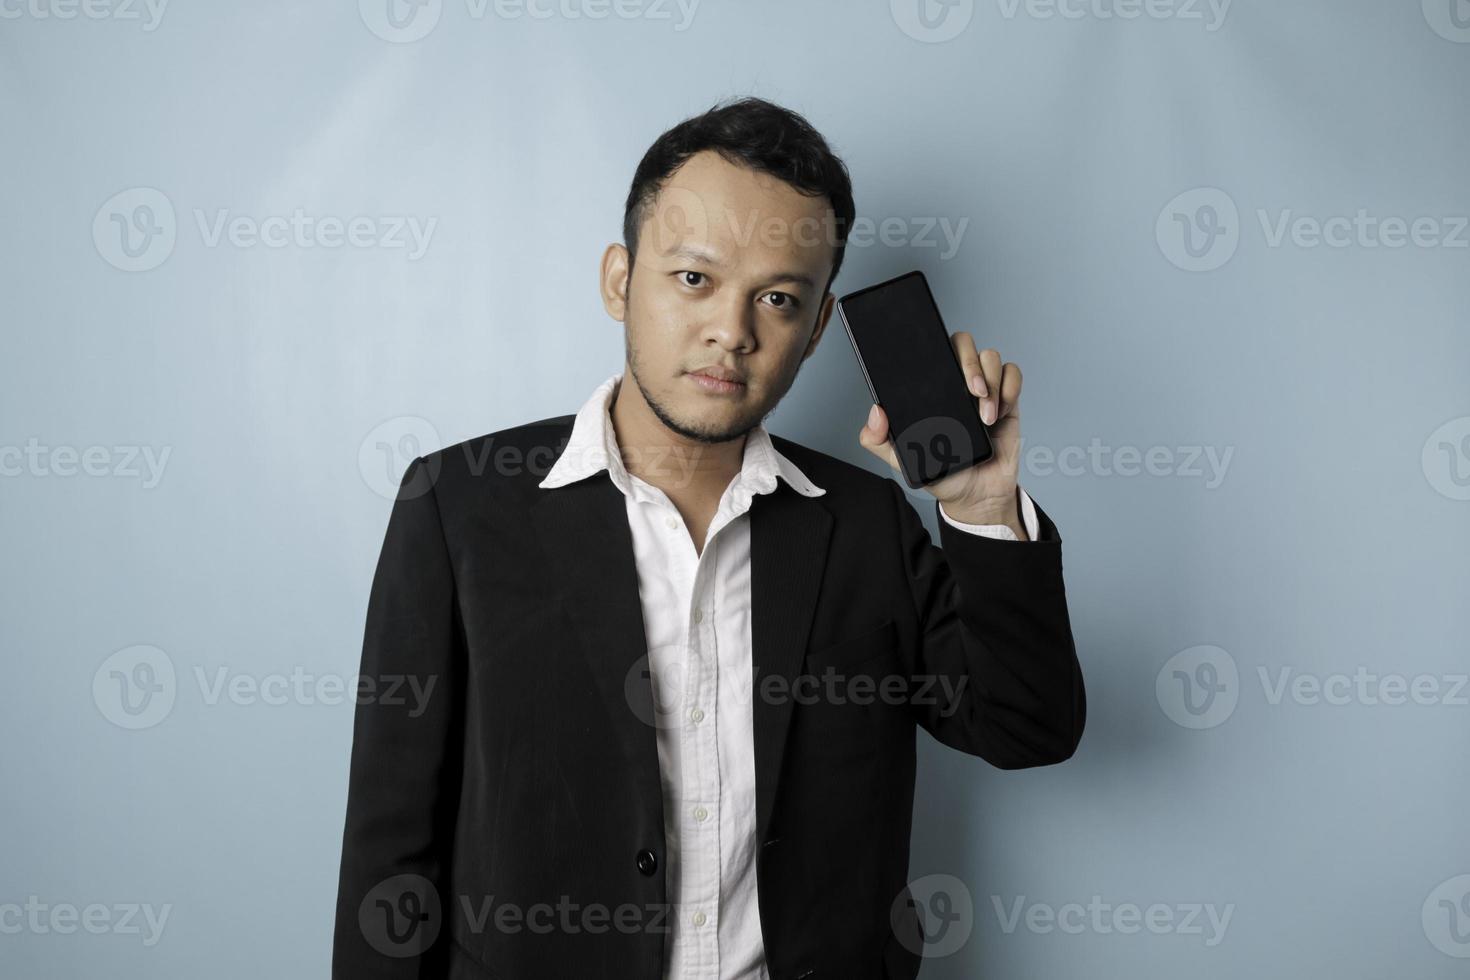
<point x="696" y="611"/>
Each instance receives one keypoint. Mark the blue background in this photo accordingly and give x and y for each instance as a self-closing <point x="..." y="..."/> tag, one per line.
<point x="290" y="385"/>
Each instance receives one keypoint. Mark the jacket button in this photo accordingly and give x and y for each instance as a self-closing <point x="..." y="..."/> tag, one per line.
<point x="647" y="861"/>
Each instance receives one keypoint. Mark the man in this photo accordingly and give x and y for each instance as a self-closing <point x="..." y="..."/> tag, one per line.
<point x="678" y="662"/>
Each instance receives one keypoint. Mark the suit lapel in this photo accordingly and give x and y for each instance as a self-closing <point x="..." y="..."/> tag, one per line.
<point x="788" y="554"/>
<point x="583" y="528"/>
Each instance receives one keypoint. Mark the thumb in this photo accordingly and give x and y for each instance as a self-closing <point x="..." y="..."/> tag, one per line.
<point x="874" y="437"/>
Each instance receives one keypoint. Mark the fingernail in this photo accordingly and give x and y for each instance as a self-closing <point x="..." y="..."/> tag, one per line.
<point x="987" y="412"/>
<point x="873" y="417"/>
<point x="977" y="385"/>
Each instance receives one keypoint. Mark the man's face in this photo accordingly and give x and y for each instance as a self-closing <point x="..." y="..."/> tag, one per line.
<point x="730" y="273"/>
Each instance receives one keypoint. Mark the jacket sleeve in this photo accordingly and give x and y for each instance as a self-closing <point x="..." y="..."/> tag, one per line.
<point x="995" y="670"/>
<point x="404" y="774"/>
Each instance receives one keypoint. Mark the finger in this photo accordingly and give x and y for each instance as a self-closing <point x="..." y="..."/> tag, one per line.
<point x="964" y="349"/>
<point x="1010" y="390"/>
<point x="874" y="437"/>
<point x="990" y="367"/>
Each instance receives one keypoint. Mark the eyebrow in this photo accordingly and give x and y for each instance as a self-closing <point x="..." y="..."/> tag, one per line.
<point x="701" y="255"/>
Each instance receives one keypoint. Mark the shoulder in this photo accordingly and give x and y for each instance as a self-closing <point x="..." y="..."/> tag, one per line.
<point x="518" y="456"/>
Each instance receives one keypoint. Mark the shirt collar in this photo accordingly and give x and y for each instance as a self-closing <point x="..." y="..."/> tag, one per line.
<point x="592" y="447"/>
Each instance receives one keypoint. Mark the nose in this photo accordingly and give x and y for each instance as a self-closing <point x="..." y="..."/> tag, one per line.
<point x="732" y="326"/>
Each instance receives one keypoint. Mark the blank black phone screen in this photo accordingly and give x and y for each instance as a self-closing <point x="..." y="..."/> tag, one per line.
<point x="913" y="374"/>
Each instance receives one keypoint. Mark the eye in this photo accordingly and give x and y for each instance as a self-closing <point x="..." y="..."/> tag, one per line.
<point x="787" y="304"/>
<point x="684" y="273"/>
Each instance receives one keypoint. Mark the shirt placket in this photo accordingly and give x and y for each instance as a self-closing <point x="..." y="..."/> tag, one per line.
<point x="696" y="930"/>
<point x="699" y="813"/>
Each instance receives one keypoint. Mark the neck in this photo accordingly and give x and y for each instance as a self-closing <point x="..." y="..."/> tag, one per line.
<point x="667" y="459"/>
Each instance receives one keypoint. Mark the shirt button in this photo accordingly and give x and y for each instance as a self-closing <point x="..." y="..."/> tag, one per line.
<point x="699" y="615"/>
<point x="699" y="919"/>
<point x="672" y="522"/>
<point x="700" y="813"/>
<point x="697" y="714"/>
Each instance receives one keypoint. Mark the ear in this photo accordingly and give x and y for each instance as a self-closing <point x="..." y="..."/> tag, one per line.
<point x="823" y="315"/>
<point x="616" y="269"/>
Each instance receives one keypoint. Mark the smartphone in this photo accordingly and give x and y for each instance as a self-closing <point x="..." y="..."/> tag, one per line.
<point x="914" y="375"/>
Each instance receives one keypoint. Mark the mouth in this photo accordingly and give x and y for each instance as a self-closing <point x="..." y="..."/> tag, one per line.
<point x="718" y="380"/>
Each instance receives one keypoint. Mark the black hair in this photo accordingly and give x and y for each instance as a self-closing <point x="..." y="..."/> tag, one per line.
<point x="753" y="133"/>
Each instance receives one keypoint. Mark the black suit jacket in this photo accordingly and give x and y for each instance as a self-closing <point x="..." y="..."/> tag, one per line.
<point x="510" y="825"/>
